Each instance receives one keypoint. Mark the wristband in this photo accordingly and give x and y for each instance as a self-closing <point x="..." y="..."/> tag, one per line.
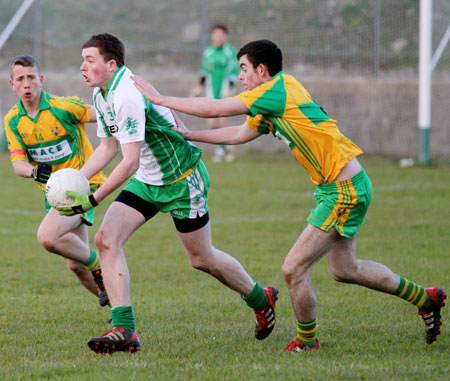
<point x="92" y="200"/>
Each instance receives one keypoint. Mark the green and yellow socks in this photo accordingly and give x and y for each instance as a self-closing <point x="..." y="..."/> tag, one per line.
<point x="307" y="332"/>
<point x="93" y="262"/>
<point x="257" y="298"/>
<point x="412" y="293"/>
<point x="407" y="290"/>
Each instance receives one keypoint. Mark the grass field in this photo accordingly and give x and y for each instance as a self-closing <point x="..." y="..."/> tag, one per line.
<point x="191" y="327"/>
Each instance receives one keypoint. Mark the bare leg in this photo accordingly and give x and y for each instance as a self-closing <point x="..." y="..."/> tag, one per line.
<point x="345" y="267"/>
<point x="83" y="274"/>
<point x="68" y="237"/>
<point x="312" y="245"/>
<point x="64" y="236"/>
<point x="119" y="223"/>
<point x="203" y="256"/>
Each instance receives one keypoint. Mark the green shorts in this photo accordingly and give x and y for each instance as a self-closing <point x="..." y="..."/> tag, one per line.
<point x="187" y="198"/>
<point x="342" y="205"/>
<point x="86" y="218"/>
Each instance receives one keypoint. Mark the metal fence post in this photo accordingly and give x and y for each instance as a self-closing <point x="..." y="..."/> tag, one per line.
<point x="376" y="38"/>
<point x="37" y="30"/>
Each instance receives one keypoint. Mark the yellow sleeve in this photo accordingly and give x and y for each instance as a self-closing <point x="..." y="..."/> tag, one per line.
<point x="259" y="124"/>
<point x="17" y="149"/>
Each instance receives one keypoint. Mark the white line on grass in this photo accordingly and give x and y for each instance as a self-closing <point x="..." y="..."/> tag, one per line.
<point x="21" y="212"/>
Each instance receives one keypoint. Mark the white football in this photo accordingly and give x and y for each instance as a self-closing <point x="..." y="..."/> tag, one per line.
<point x="63" y="180"/>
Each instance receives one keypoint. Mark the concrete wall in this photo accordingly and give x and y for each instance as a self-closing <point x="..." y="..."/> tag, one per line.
<point x="380" y="115"/>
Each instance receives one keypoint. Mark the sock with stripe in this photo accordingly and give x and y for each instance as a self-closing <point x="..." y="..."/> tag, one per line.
<point x="93" y="262"/>
<point x="412" y="293"/>
<point x="123" y="317"/>
<point x="257" y="298"/>
<point x="307" y="332"/>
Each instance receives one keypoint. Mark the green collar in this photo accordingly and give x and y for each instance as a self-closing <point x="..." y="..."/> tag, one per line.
<point x="280" y="73"/>
<point x="114" y="81"/>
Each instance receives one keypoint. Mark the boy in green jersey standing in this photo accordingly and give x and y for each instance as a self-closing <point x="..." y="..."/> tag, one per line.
<point x="219" y="76"/>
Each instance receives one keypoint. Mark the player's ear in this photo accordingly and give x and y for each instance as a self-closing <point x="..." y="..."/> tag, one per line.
<point x="265" y="71"/>
<point x="261" y="69"/>
<point x="112" y="65"/>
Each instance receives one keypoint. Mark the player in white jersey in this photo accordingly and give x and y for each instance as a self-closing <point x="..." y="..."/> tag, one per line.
<point x="170" y="178"/>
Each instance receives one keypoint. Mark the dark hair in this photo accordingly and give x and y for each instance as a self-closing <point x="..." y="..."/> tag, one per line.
<point x="109" y="46"/>
<point x="26" y="61"/>
<point x="220" y="26"/>
<point x="263" y="52"/>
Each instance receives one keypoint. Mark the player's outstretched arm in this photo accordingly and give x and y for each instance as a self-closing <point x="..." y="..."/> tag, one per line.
<point x="228" y="135"/>
<point x="202" y="107"/>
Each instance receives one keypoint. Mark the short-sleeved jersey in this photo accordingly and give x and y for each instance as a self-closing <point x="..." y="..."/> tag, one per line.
<point x="219" y="66"/>
<point x="124" y="113"/>
<point x="284" y="107"/>
<point x="56" y="136"/>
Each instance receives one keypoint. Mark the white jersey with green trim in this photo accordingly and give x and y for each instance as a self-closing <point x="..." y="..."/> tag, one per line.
<point x="123" y="112"/>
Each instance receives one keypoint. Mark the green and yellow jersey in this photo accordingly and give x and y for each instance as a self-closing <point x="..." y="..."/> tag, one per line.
<point x="56" y="136"/>
<point x="284" y="107"/>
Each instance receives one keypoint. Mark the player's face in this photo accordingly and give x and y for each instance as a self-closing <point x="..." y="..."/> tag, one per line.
<point x="249" y="76"/>
<point x="27" y="83"/>
<point x="218" y="37"/>
<point x="94" y="70"/>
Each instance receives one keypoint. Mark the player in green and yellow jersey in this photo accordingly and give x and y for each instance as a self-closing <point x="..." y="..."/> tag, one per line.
<point x="279" y="104"/>
<point x="218" y="77"/>
<point x="46" y="133"/>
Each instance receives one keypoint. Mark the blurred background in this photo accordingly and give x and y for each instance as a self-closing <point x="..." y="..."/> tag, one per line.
<point x="358" y="58"/>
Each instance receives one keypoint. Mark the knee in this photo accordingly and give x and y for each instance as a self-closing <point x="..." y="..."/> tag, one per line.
<point x="103" y="240"/>
<point x="292" y="274"/>
<point x="47" y="241"/>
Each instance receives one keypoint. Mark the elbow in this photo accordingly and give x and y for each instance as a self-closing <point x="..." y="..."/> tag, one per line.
<point x="215" y="110"/>
<point x="134" y="165"/>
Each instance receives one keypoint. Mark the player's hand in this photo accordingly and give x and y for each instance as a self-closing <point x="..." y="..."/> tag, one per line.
<point x="81" y="203"/>
<point x="41" y="173"/>
<point x="146" y="89"/>
<point x="180" y="127"/>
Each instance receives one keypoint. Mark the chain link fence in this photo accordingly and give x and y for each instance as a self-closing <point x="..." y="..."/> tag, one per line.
<point x="359" y="36"/>
<point x="341" y="49"/>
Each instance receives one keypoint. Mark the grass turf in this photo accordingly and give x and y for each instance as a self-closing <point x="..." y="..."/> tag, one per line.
<point x="190" y="326"/>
